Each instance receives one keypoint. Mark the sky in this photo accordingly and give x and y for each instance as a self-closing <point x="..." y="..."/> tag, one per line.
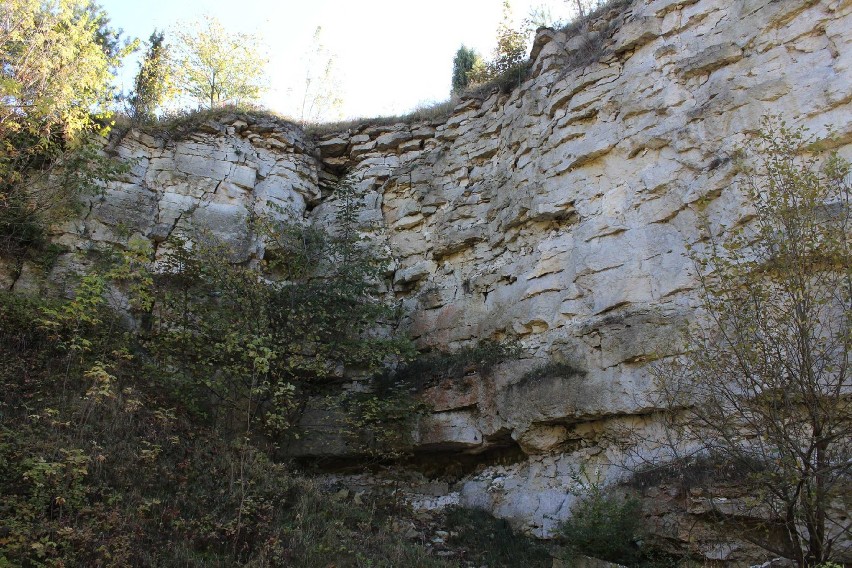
<point x="391" y="55"/>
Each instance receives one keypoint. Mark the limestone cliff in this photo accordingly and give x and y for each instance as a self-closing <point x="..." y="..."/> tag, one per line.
<point x="557" y="214"/>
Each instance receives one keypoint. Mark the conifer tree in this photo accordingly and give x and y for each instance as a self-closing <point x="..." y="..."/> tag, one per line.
<point x="153" y="81"/>
<point x="465" y="61"/>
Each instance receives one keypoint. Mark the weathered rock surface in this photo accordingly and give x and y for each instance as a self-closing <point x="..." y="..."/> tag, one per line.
<point x="558" y="215"/>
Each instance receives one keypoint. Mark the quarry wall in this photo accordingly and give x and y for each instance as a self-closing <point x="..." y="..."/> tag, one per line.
<point x="557" y="214"/>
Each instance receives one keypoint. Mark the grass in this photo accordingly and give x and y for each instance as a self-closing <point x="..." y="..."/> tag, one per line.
<point x="602" y="9"/>
<point x="436" y="112"/>
<point x="594" y="30"/>
<point x="181" y="123"/>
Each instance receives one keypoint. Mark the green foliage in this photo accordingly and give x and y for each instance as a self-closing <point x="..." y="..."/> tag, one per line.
<point x="604" y="525"/>
<point x="211" y="333"/>
<point x="57" y="61"/>
<point x="765" y="381"/>
<point x="508" y="66"/>
<point x="123" y="476"/>
<point x="152" y="85"/>
<point x="103" y="460"/>
<point x="334" y="292"/>
<point x="46" y="189"/>
<point x="54" y="94"/>
<point x="511" y="47"/>
<point x="242" y="346"/>
<point x="115" y="469"/>
<point x="380" y="422"/>
<point x="485" y="540"/>
<point x="463" y="64"/>
<point x="71" y="323"/>
<point x="215" y="67"/>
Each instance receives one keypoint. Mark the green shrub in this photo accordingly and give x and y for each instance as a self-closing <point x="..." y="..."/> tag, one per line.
<point x="486" y="540"/>
<point x="606" y="526"/>
<point x="100" y="465"/>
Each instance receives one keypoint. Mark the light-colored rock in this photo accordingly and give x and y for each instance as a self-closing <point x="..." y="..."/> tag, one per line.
<point x="30" y="279"/>
<point x="8" y="274"/>
<point x="542" y="438"/>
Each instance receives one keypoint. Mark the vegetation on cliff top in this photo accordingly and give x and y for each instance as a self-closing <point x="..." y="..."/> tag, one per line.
<point x="54" y="97"/>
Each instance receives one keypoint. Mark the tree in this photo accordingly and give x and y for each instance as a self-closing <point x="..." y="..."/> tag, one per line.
<point x="765" y="384"/>
<point x="57" y="59"/>
<point x="509" y="54"/>
<point x="511" y="50"/>
<point x="246" y="343"/>
<point x="216" y="67"/>
<point x="465" y="61"/>
<point x="153" y="81"/>
<point x="321" y="99"/>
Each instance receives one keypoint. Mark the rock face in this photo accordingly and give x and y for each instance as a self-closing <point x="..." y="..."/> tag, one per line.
<point x="215" y="177"/>
<point x="557" y="215"/>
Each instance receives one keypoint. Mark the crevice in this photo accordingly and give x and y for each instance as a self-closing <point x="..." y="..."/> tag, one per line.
<point x="16" y="275"/>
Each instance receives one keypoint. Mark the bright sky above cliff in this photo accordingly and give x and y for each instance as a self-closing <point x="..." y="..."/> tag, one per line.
<point x="393" y="55"/>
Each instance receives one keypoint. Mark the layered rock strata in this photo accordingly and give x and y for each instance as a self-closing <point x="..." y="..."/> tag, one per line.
<point x="557" y="215"/>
